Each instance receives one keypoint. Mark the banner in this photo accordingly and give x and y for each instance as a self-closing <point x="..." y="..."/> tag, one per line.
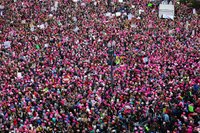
<point x="166" y="11"/>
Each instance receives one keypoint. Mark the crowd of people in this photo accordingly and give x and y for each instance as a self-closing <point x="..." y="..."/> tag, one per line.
<point x="55" y="75"/>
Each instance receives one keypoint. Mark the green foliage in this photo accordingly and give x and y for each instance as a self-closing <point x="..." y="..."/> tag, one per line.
<point x="195" y="4"/>
<point x="192" y="3"/>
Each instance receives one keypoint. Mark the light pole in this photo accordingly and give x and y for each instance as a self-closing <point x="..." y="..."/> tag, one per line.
<point x="109" y="5"/>
<point x="111" y="59"/>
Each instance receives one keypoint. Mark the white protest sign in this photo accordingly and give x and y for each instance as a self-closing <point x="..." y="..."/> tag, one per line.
<point x="52" y="8"/>
<point x="75" y="0"/>
<point x="36" y="38"/>
<point x="133" y="25"/>
<point x="124" y="14"/>
<point x="32" y="28"/>
<point x="50" y="15"/>
<point x="194" y="11"/>
<point x="113" y="14"/>
<point x="74" y="19"/>
<point x="186" y="25"/>
<point x="118" y="14"/>
<point x="145" y="59"/>
<point x="166" y="11"/>
<point x="7" y="44"/>
<point x="46" y="45"/>
<point x="23" y="21"/>
<point x="82" y="4"/>
<point x="140" y="11"/>
<point x="1" y="7"/>
<point x="108" y="14"/>
<point x="1" y="13"/>
<point x="193" y="32"/>
<point x="168" y="16"/>
<point x="130" y="16"/>
<point x="19" y="75"/>
<point x="42" y="26"/>
<point x="76" y="29"/>
<point x="171" y="31"/>
<point x="56" y="5"/>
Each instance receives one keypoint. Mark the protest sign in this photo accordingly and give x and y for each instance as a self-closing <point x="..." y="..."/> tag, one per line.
<point x="19" y="75"/>
<point x="145" y="59"/>
<point x="1" y="7"/>
<point x="194" y="11"/>
<point x="76" y="29"/>
<point x="46" y="45"/>
<point x="117" y="14"/>
<point x="108" y="14"/>
<point x="37" y="46"/>
<point x="190" y="108"/>
<point x="166" y="11"/>
<point x="7" y="44"/>
<point x="130" y="16"/>
<point x="140" y="11"/>
<point x="150" y="5"/>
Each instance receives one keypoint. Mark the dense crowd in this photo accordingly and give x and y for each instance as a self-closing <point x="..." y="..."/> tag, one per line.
<point x="55" y="76"/>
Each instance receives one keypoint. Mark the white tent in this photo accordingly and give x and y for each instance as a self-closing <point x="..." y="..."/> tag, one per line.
<point x="166" y="11"/>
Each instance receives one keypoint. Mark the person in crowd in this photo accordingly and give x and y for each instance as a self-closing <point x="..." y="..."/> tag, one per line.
<point x="55" y="76"/>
